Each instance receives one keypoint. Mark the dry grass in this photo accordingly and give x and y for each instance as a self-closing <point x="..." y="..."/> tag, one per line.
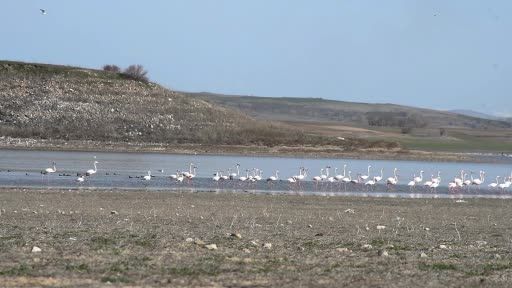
<point x="144" y="244"/>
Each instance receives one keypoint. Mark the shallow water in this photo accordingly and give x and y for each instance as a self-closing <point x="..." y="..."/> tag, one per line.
<point x="120" y="170"/>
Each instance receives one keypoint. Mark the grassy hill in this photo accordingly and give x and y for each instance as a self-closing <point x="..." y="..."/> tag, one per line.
<point x="414" y="128"/>
<point x="349" y="113"/>
<point x="58" y="102"/>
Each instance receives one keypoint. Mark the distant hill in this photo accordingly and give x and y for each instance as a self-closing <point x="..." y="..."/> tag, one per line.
<point x="472" y="113"/>
<point x="71" y="103"/>
<point x="347" y="113"/>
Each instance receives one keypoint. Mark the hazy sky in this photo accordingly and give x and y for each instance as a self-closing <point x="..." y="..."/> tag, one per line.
<point x="438" y="53"/>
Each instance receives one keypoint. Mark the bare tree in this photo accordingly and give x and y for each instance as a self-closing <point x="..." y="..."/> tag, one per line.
<point x="136" y="72"/>
<point x="112" y="68"/>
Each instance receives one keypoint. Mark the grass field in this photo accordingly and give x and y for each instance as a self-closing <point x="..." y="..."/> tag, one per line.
<point x="142" y="238"/>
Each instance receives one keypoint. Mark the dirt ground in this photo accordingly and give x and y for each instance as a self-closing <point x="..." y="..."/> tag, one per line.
<point x="146" y="238"/>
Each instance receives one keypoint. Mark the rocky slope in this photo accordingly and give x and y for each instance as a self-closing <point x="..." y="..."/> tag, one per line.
<point x="40" y="101"/>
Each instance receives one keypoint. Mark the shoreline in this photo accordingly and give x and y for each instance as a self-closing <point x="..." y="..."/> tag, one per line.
<point x="9" y="143"/>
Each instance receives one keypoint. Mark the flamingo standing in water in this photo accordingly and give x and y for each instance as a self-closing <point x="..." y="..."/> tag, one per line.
<point x="392" y="181"/>
<point x="91" y="172"/>
<point x="378" y="178"/>
<point x="412" y="183"/>
<point x="147" y="177"/>
<point x="365" y="177"/>
<point x="494" y="184"/>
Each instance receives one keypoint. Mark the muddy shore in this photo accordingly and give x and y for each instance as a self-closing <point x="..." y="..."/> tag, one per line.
<point x="147" y="238"/>
<point x="278" y="151"/>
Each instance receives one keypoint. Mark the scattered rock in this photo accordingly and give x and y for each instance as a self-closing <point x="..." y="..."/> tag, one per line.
<point x="254" y="243"/>
<point x="189" y="240"/>
<point x="199" y="242"/>
<point x="383" y="253"/>
<point x="497" y="256"/>
<point x="289" y="222"/>
<point x="72" y="238"/>
<point x="319" y="234"/>
<point x="423" y="255"/>
<point x="367" y="247"/>
<point x="460" y="201"/>
<point x="481" y="243"/>
<point x="310" y="226"/>
<point x="36" y="249"/>
<point x="367" y="228"/>
<point x="236" y="235"/>
<point x="351" y="211"/>
<point x="267" y="245"/>
<point x="246" y="250"/>
<point x="427" y="229"/>
<point x="211" y="247"/>
<point x="381" y="227"/>
<point x="343" y="250"/>
<point x="442" y="246"/>
<point x="114" y="212"/>
<point x="300" y="248"/>
<point x="389" y="246"/>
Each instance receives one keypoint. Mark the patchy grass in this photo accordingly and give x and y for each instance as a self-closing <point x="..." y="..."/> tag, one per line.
<point x="144" y="245"/>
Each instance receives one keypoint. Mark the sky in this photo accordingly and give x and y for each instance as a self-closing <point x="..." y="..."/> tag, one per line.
<point x="436" y="54"/>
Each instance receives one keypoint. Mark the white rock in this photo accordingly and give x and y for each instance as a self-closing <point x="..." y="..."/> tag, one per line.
<point x="481" y="243"/>
<point x="442" y="246"/>
<point x="254" y="243"/>
<point x="351" y="211"/>
<point x="427" y="229"/>
<point x="267" y="245"/>
<point x="310" y="226"/>
<point x="383" y="253"/>
<point x="211" y="247"/>
<point x="72" y="238"/>
<point x="343" y="250"/>
<point x="460" y="201"/>
<point x="36" y="249"/>
<point x="189" y="240"/>
<point x="423" y="255"/>
<point x="381" y="227"/>
<point x="367" y="247"/>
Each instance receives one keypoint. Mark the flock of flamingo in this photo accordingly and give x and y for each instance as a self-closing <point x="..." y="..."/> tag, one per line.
<point x="325" y="179"/>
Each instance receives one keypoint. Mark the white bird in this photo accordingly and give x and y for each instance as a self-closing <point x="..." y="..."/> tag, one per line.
<point x="494" y="184"/>
<point x="92" y="171"/>
<point x="412" y="183"/>
<point x="319" y="178"/>
<point x="378" y="178"/>
<point x="223" y="177"/>
<point x="438" y="178"/>
<point x="43" y="11"/>
<point x="180" y="177"/>
<point x="434" y="186"/>
<point x="326" y="175"/>
<point x="420" y="178"/>
<point x="459" y="181"/>
<point x="243" y="178"/>
<point x="146" y="177"/>
<point x="302" y="174"/>
<point x="340" y="177"/>
<point x="175" y="176"/>
<point x="234" y="175"/>
<point x="275" y="177"/>
<point x="80" y="179"/>
<point x="216" y="177"/>
<point x="467" y="182"/>
<point x="393" y="180"/>
<point x="51" y="169"/>
<point x="430" y="182"/>
<point x="364" y="177"/>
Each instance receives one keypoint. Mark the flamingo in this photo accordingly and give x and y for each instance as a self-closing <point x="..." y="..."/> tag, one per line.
<point x="378" y="178"/>
<point x="364" y="177"/>
<point x="180" y="177"/>
<point x="319" y="178"/>
<point x="494" y="184"/>
<point x="216" y="177"/>
<point x="370" y="184"/>
<point x="50" y="169"/>
<point x="391" y="181"/>
<point x="175" y="176"/>
<point x="503" y="185"/>
<point x="92" y="171"/>
<point x="147" y="177"/>
<point x="275" y="177"/>
<point x="244" y="178"/>
<point x="479" y="181"/>
<point x="80" y="179"/>
<point x="452" y="186"/>
<point x="468" y="182"/>
<point x="187" y="173"/>
<point x="419" y="179"/>
<point x="340" y="177"/>
<point x="234" y="175"/>
<point x="438" y="178"/>
<point x="429" y="183"/>
<point x="412" y="183"/>
<point x="458" y="181"/>
<point x="223" y="177"/>
<point x="326" y="175"/>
